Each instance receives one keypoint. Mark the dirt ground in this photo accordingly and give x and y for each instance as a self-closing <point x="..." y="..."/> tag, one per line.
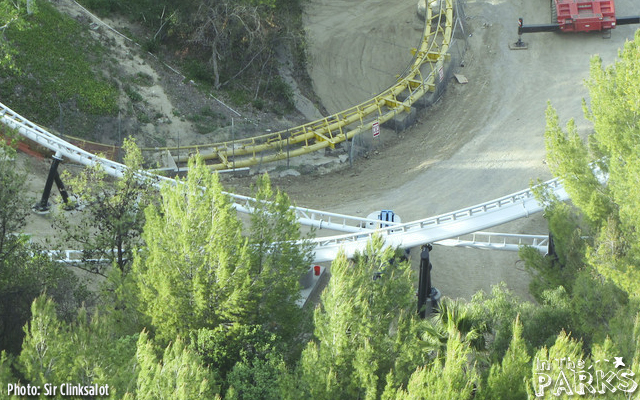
<point x="482" y="140"/>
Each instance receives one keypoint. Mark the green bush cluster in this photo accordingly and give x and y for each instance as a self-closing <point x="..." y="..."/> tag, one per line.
<point x="54" y="67"/>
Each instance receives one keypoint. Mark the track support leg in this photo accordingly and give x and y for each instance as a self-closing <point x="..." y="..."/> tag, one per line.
<point x="43" y="205"/>
<point x="426" y="293"/>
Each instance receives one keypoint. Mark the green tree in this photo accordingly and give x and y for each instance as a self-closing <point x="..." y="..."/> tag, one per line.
<point x="365" y="328"/>
<point x="594" y="302"/>
<point x="226" y="346"/>
<point x="197" y="263"/>
<point x="541" y="322"/>
<point x="549" y="383"/>
<point x="624" y="329"/>
<point x="607" y="196"/>
<point x="257" y="379"/>
<point x="6" y="375"/>
<point x="569" y="157"/>
<point x="112" y="216"/>
<point x="508" y="380"/>
<point x="119" y="302"/>
<point x="178" y="374"/>
<point x="14" y="210"/>
<point x="87" y="351"/>
<point x="452" y="377"/>
<point x="278" y="258"/>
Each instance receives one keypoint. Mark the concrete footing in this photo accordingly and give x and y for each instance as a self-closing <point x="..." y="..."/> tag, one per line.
<point x="434" y="298"/>
<point x="402" y="121"/>
<point x="425" y="101"/>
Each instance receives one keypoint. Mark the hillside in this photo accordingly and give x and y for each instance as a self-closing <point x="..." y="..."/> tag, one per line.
<point x="99" y="83"/>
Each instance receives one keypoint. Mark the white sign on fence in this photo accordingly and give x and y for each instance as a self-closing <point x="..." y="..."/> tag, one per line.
<point x="375" y="128"/>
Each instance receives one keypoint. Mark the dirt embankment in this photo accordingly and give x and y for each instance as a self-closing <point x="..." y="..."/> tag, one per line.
<point x="158" y="105"/>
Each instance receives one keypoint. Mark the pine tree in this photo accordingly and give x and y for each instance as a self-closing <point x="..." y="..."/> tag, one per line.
<point x="84" y="352"/>
<point x="257" y="378"/>
<point x="509" y="379"/>
<point x="555" y="382"/>
<point x="198" y="269"/>
<point x="452" y="377"/>
<point x="365" y="328"/>
<point x="178" y="375"/>
<point x="194" y="269"/>
<point x="610" y="206"/>
<point x="279" y="257"/>
<point x="6" y="377"/>
<point x="226" y="346"/>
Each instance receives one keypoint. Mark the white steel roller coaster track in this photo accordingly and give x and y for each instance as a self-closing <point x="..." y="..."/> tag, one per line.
<point x="37" y="134"/>
<point x="446" y="229"/>
<point x="406" y="235"/>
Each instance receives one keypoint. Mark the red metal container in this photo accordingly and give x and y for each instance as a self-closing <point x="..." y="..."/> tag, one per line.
<point x="585" y="16"/>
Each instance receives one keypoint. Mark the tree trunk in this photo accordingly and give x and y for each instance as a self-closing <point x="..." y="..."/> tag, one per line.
<point x="214" y="63"/>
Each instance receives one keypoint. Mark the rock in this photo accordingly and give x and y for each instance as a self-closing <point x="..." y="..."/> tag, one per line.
<point x="289" y="172"/>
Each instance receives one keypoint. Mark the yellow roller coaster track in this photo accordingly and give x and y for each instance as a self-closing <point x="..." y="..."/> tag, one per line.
<point x="344" y="125"/>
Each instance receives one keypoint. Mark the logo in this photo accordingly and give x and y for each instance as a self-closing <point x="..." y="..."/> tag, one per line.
<point x="570" y="377"/>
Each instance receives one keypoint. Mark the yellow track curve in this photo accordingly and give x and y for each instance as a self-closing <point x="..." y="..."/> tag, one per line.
<point x="344" y="125"/>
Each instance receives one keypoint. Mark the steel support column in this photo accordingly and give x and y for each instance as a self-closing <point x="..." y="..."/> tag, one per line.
<point x="424" y="281"/>
<point x="43" y="205"/>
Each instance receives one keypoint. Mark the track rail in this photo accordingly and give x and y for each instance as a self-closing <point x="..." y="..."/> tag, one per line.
<point x="476" y="240"/>
<point x="464" y="221"/>
<point x="498" y="241"/>
<point x="467" y="220"/>
<point x="445" y="226"/>
<point x="344" y="125"/>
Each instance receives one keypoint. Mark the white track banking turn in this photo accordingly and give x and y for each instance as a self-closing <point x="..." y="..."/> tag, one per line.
<point x="445" y="229"/>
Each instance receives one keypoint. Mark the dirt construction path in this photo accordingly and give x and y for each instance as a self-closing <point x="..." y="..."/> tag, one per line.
<point x="483" y="140"/>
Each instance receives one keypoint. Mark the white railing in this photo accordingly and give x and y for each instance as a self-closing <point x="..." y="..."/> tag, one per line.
<point x="498" y="241"/>
<point x="476" y="240"/>
<point x="453" y="224"/>
<point x="450" y="225"/>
